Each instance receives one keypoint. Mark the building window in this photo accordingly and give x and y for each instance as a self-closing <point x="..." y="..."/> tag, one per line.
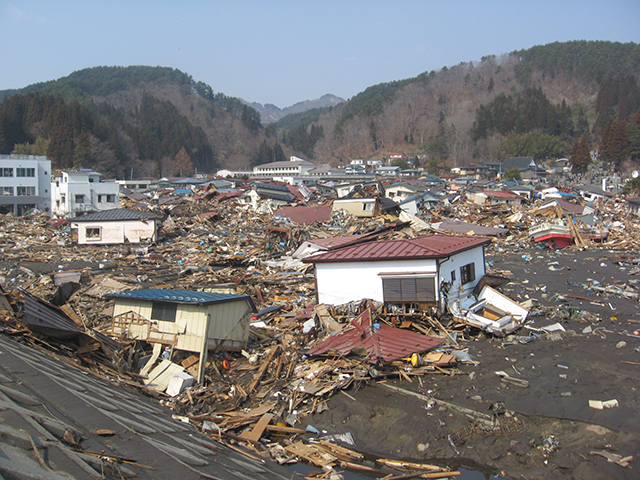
<point x="6" y="172"/>
<point x="24" y="191"/>
<point x="164" y="311"/>
<point x="409" y="289"/>
<point x="79" y="198"/>
<point x="93" y="233"/>
<point x="25" y="172"/>
<point x="111" y="199"/>
<point x="7" y="191"/>
<point x="468" y="273"/>
<point x="63" y="198"/>
<point x="453" y="276"/>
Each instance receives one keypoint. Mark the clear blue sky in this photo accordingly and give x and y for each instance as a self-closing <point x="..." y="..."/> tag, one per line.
<point x="283" y="52"/>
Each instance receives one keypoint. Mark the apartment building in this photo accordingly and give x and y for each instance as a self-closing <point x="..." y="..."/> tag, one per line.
<point x="25" y="183"/>
<point x="75" y="193"/>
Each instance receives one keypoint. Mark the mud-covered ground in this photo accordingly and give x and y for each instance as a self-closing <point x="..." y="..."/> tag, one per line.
<point x="549" y="429"/>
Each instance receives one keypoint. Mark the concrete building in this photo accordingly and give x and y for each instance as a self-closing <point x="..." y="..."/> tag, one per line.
<point x="295" y="166"/>
<point x="25" y="183"/>
<point x="75" y="193"/>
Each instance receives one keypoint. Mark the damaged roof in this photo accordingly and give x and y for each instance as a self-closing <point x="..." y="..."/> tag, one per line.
<point x="114" y="215"/>
<point x="429" y="247"/>
<point x="381" y="341"/>
<point x="304" y="215"/>
<point x="179" y="296"/>
<point x="59" y="422"/>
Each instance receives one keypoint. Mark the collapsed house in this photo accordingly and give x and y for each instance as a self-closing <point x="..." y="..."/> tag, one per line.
<point x="189" y="321"/>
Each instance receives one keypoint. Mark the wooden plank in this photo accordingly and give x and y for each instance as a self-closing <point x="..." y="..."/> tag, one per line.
<point x="256" y="433"/>
<point x="263" y="368"/>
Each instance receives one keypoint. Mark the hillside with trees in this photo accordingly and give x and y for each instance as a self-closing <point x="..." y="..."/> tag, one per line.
<point x="123" y="121"/>
<point x="537" y="102"/>
<point x="557" y="100"/>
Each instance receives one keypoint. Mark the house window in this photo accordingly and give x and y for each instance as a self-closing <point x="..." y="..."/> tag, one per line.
<point x="111" y="198"/>
<point x="468" y="273"/>
<point x="79" y="198"/>
<point x="93" y="233"/>
<point x="164" y="311"/>
<point x="367" y="207"/>
<point x="7" y="191"/>
<point x="6" y="172"/>
<point x="453" y="276"/>
<point x="409" y="289"/>
<point x="63" y="199"/>
<point x="23" y="191"/>
<point x="25" y="172"/>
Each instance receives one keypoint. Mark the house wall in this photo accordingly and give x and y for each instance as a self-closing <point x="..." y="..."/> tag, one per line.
<point x="228" y="323"/>
<point x="343" y="282"/>
<point x="359" y="207"/>
<point x="348" y="281"/>
<point x="190" y="324"/>
<point x="454" y="263"/>
<point x="116" y="232"/>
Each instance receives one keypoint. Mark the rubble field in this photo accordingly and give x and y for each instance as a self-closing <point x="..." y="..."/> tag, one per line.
<point x="552" y="396"/>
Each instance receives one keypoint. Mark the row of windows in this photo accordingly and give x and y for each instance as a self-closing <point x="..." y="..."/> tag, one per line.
<point x="20" y="191"/>
<point x="20" y="172"/>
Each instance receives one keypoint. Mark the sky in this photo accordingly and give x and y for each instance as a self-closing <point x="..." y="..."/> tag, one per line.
<point x="284" y="52"/>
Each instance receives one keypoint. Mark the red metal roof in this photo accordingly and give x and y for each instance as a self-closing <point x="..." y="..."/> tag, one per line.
<point x="381" y="341"/>
<point x="430" y="247"/>
<point x="304" y="215"/>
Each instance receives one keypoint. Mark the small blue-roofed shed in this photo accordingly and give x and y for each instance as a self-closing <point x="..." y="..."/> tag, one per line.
<point x="186" y="320"/>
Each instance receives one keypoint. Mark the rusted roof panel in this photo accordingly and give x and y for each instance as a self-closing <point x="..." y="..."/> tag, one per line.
<point x="381" y="341"/>
<point x="430" y="247"/>
<point x="305" y="215"/>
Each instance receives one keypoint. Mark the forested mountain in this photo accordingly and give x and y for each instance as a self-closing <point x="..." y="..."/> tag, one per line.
<point x="270" y="113"/>
<point x="536" y="102"/>
<point x="129" y="120"/>
<point x="561" y="99"/>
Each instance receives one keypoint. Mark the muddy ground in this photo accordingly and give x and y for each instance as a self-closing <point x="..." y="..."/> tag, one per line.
<point x="551" y="430"/>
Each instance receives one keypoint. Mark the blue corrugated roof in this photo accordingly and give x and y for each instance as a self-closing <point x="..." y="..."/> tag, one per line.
<point x="178" y="296"/>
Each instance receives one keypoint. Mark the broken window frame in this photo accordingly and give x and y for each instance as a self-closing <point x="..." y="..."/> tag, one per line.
<point x="467" y="273"/>
<point x="6" y="191"/>
<point x="165" y="312"/>
<point x="93" y="233"/>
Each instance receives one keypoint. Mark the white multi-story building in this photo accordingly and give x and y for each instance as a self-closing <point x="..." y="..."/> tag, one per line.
<point x="25" y="183"/>
<point x="75" y="193"/>
<point x="294" y="167"/>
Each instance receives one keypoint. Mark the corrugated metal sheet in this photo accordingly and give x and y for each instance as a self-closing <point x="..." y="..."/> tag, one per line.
<point x="381" y="342"/>
<point x="430" y="247"/>
<point x="38" y="314"/>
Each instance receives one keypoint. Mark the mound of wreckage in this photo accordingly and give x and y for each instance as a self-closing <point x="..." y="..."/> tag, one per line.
<point x="280" y="355"/>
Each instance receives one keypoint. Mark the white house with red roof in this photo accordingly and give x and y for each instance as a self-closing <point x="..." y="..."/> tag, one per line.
<point x="432" y="270"/>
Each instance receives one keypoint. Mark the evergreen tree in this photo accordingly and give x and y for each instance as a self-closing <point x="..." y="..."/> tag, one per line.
<point x="580" y="156"/>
